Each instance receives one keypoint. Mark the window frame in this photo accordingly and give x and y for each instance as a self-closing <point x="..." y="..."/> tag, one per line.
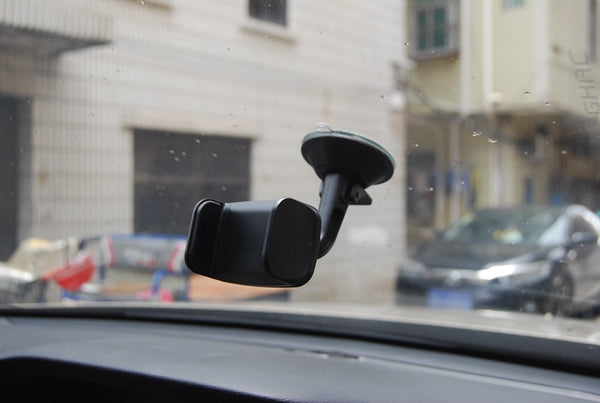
<point x="512" y="4"/>
<point x="270" y="30"/>
<point x="274" y="21"/>
<point x="450" y="27"/>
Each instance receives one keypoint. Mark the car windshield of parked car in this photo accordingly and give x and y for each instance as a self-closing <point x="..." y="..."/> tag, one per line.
<point x="508" y="226"/>
<point x="437" y="126"/>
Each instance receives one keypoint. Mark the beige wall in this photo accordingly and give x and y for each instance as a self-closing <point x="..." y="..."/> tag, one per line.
<point x="570" y="65"/>
<point x="205" y="67"/>
<point x="514" y="55"/>
<point x="526" y="66"/>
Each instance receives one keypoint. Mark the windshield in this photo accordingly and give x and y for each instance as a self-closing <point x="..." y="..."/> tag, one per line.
<point x="503" y="226"/>
<point x="117" y="117"/>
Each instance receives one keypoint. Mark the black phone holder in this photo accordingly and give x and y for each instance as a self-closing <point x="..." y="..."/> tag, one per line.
<point x="277" y="243"/>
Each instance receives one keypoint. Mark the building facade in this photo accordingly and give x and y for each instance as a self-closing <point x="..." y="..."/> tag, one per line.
<point x="492" y="123"/>
<point x="124" y="113"/>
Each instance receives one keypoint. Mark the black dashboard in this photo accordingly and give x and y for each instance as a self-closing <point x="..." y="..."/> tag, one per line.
<point x="68" y="359"/>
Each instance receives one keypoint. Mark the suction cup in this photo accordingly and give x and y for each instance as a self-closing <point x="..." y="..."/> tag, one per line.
<point x="363" y="161"/>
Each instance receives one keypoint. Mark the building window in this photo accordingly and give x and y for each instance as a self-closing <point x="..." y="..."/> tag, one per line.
<point x="435" y="27"/>
<point x="273" y="11"/>
<point x="510" y="4"/>
<point x="173" y="171"/>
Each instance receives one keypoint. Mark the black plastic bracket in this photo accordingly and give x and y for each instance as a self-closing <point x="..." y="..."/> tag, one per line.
<point x="277" y="243"/>
<point x="347" y="164"/>
<point x="262" y="243"/>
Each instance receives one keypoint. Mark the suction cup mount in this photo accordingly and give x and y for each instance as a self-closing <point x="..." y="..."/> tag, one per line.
<point x="347" y="164"/>
<point x="250" y="242"/>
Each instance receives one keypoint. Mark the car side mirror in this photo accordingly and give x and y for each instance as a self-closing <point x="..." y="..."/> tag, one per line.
<point x="277" y="243"/>
<point x="583" y="238"/>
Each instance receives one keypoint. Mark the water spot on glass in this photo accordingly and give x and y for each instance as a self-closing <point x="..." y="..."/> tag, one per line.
<point x="176" y="159"/>
<point x="323" y="127"/>
<point x="564" y="152"/>
<point x="171" y="151"/>
<point x="92" y="115"/>
<point x="430" y="189"/>
<point x="198" y="141"/>
<point x="554" y="122"/>
<point x="228" y="49"/>
<point x="223" y="188"/>
<point x="142" y="2"/>
<point x="476" y="133"/>
<point x="416" y="145"/>
<point x="406" y="43"/>
<point x="215" y="155"/>
<point x="547" y="103"/>
<point x="29" y="101"/>
<point x="10" y="118"/>
<point x="492" y="140"/>
<point x="526" y="92"/>
<point x="410" y="188"/>
<point x="60" y="81"/>
<point x="183" y="153"/>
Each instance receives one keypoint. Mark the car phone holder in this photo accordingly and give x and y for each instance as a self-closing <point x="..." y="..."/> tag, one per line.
<point x="277" y="243"/>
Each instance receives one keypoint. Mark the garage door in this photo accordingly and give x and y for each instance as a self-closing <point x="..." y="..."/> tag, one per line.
<point x="175" y="170"/>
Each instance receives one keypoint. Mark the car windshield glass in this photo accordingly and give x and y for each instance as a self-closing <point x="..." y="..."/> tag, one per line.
<point x="503" y="226"/>
<point x="399" y="156"/>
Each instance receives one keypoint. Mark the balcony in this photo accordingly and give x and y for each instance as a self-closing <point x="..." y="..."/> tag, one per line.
<point x="47" y="28"/>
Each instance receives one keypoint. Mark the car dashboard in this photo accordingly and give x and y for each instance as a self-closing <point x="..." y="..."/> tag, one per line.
<point x="140" y="359"/>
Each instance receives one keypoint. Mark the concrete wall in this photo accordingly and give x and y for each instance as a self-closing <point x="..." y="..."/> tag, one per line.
<point x="206" y="67"/>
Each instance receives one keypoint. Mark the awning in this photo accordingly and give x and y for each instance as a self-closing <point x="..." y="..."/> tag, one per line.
<point x="50" y="27"/>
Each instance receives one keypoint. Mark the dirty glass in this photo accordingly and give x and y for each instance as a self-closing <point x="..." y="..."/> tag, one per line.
<point x="118" y="116"/>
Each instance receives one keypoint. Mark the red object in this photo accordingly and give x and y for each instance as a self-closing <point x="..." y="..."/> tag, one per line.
<point x="174" y="263"/>
<point x="77" y="271"/>
<point x="108" y="251"/>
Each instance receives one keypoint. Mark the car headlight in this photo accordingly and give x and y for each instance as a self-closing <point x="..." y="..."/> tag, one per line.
<point x="513" y="271"/>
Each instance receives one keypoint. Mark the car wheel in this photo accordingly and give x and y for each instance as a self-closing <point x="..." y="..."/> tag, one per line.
<point x="559" y="293"/>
